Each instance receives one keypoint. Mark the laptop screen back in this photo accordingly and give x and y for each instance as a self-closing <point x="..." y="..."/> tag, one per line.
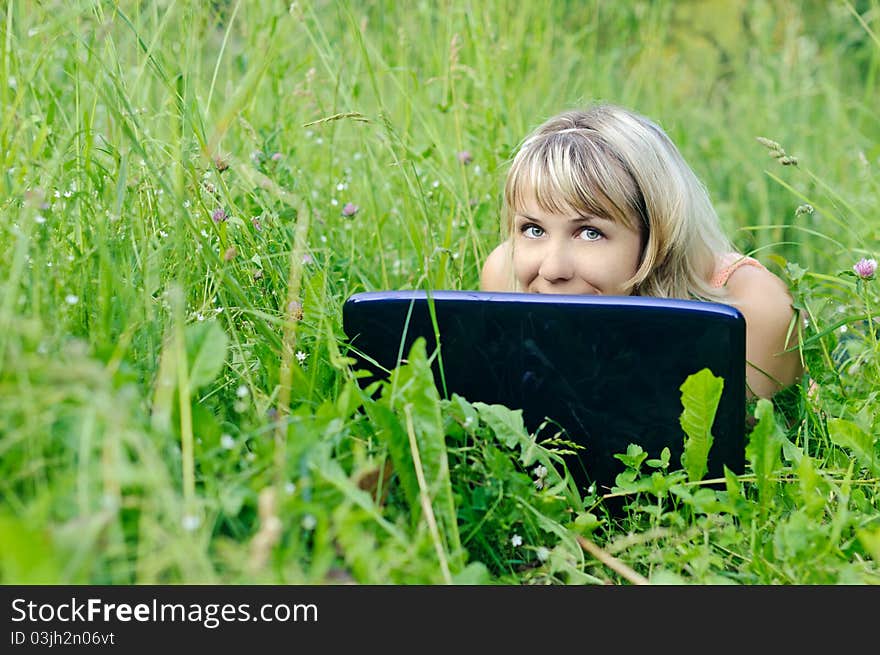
<point x="607" y="370"/>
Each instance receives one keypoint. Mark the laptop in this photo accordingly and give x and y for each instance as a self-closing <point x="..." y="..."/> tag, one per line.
<point x="606" y="370"/>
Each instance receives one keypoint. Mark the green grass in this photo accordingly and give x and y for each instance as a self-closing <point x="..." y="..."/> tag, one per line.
<point x="166" y="416"/>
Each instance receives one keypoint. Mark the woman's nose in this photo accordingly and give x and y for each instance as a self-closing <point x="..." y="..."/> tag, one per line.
<point x="557" y="265"/>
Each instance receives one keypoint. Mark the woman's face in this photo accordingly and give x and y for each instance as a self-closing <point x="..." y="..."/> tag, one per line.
<point x="573" y="254"/>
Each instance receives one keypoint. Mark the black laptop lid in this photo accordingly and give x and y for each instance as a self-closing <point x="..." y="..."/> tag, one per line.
<point x="606" y="369"/>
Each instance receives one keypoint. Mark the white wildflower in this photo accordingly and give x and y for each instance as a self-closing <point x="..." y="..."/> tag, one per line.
<point x="190" y="522"/>
<point x="516" y="541"/>
<point x="540" y="473"/>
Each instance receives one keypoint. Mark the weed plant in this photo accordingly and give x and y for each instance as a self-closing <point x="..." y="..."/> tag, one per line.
<point x="189" y="192"/>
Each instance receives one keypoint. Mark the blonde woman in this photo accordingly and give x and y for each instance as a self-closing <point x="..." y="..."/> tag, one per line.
<point x="602" y="202"/>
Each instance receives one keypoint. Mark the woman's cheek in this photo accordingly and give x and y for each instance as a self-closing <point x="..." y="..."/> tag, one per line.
<point x="524" y="267"/>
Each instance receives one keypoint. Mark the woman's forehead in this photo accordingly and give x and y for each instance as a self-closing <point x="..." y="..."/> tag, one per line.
<point x="546" y="198"/>
<point x="548" y="195"/>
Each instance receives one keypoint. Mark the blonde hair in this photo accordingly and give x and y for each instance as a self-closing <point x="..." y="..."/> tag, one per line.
<point x="611" y="162"/>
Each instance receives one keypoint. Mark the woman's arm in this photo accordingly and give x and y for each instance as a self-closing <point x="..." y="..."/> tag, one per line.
<point x="765" y="303"/>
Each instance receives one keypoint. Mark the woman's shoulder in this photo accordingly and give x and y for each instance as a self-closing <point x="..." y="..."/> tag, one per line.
<point x="771" y="328"/>
<point x="728" y="263"/>
<point x="760" y="290"/>
<point x="746" y="276"/>
<point x="497" y="273"/>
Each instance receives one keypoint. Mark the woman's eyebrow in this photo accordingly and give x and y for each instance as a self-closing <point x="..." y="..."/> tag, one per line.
<point x="580" y="218"/>
<point x="591" y="218"/>
<point x="574" y="219"/>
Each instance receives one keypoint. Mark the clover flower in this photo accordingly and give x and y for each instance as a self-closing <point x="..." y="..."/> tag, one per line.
<point x="350" y="209"/>
<point x="865" y="268"/>
<point x="464" y="157"/>
<point x="295" y="310"/>
<point x="220" y="163"/>
<point x="219" y="215"/>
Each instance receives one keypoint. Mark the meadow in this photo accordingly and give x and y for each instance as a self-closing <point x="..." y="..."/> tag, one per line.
<point x="189" y="192"/>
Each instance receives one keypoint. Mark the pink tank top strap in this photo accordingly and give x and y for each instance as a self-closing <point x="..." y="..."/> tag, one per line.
<point x="728" y="263"/>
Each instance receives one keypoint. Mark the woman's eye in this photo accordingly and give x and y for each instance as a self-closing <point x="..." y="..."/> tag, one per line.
<point x="590" y="234"/>
<point x="533" y="231"/>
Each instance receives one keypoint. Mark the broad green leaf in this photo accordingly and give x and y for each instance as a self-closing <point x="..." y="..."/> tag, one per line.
<point x="474" y="573"/>
<point x="206" y="344"/>
<point x="666" y="578"/>
<point x="332" y="472"/>
<point x="507" y="424"/>
<point x="870" y="540"/>
<point x="733" y="487"/>
<point x="634" y="456"/>
<point x="847" y="434"/>
<point x="811" y="487"/>
<point x="700" y="395"/>
<point x="412" y="391"/>
<point x="205" y="424"/>
<point x="764" y="450"/>
<point x="390" y="429"/>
